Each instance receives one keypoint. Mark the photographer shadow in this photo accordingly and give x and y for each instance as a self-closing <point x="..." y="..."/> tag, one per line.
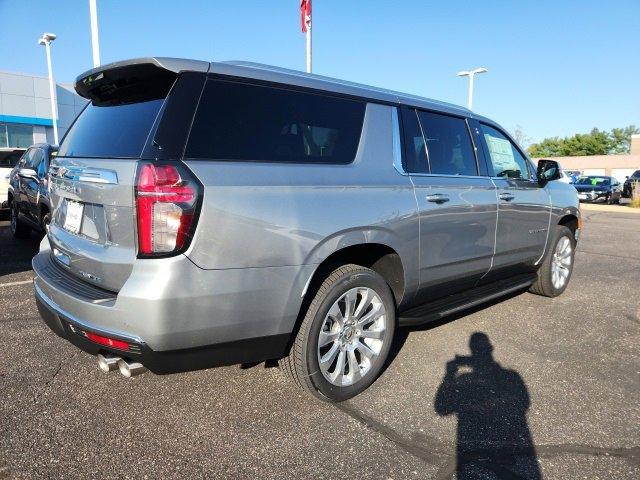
<point x="491" y="402"/>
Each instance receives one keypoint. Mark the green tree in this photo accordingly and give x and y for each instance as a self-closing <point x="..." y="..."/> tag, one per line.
<point x="621" y="138"/>
<point x="596" y="142"/>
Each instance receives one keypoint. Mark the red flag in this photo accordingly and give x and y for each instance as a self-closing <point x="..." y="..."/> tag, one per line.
<point x="305" y="15"/>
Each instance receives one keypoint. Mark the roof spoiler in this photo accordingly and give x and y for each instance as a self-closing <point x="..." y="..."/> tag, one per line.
<point x="135" y="80"/>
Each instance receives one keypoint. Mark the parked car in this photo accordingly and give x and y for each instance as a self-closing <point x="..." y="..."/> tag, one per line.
<point x="8" y="159"/>
<point x="28" y="195"/>
<point x="573" y="175"/>
<point x="209" y="214"/>
<point x="594" y="188"/>
<point x="627" y="189"/>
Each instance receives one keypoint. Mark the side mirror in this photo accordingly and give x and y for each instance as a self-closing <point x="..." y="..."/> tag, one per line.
<point x="548" y="170"/>
<point x="27" y="173"/>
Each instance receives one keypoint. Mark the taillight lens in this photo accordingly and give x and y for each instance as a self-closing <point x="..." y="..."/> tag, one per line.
<point x="167" y="201"/>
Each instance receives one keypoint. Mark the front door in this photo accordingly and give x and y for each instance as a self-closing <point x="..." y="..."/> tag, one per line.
<point x="457" y="203"/>
<point x="524" y="209"/>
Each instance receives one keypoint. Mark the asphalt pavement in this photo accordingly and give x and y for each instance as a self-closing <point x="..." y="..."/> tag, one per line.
<point x="551" y="390"/>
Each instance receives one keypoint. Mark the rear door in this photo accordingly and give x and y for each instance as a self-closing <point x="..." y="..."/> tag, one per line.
<point x="93" y="226"/>
<point x="524" y="209"/>
<point x="32" y="185"/>
<point x="456" y="200"/>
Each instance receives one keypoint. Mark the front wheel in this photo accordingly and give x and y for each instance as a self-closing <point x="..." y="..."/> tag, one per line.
<point x="345" y="337"/>
<point x="18" y="229"/>
<point x="555" y="272"/>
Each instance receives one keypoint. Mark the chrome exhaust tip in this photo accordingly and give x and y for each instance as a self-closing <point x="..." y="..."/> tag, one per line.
<point x="130" y="369"/>
<point x="108" y="363"/>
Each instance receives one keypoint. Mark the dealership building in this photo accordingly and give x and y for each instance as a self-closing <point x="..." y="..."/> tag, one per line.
<point x="25" y="109"/>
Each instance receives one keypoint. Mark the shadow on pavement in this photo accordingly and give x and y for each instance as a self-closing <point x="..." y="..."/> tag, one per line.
<point x="493" y="437"/>
<point x="15" y="255"/>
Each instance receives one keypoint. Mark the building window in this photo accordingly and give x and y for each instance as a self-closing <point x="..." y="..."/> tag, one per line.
<point x="16" y="136"/>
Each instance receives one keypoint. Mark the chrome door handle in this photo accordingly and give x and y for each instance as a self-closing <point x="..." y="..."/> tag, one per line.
<point x="507" y="197"/>
<point x="438" y="198"/>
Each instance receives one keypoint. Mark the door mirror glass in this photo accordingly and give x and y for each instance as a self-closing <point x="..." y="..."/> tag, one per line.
<point x="548" y="170"/>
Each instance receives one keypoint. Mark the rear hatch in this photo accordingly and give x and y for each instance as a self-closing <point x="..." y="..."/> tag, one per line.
<point x="93" y="232"/>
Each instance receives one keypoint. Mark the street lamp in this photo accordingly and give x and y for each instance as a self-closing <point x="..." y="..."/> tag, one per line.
<point x="471" y="74"/>
<point x="46" y="40"/>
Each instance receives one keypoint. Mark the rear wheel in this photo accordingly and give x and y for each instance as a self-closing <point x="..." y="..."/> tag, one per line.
<point x="345" y="336"/>
<point x="18" y="229"/>
<point x="555" y="272"/>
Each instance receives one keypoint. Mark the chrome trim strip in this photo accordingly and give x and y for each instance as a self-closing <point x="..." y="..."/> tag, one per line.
<point x="86" y="174"/>
<point x="397" y="145"/>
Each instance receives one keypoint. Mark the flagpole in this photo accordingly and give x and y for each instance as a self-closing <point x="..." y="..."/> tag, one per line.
<point x="309" y="49"/>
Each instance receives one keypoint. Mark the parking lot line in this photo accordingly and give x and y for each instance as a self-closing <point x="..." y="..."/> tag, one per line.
<point x="13" y="284"/>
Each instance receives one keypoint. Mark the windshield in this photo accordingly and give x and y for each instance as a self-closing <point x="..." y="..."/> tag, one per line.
<point x="636" y="174"/>
<point x="594" y="181"/>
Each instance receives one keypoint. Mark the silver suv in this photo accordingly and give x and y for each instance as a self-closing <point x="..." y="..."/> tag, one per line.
<point x="208" y="214"/>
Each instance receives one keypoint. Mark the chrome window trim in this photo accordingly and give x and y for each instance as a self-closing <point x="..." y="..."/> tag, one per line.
<point x="396" y="142"/>
<point x="449" y="176"/>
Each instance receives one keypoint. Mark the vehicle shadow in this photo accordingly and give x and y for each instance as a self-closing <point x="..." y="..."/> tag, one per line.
<point x="15" y="255"/>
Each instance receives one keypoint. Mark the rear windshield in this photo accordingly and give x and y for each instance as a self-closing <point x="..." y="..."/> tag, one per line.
<point x="256" y="123"/>
<point x="114" y="131"/>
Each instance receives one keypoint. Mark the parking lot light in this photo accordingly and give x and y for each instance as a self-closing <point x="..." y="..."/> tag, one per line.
<point x="471" y="74"/>
<point x="46" y="40"/>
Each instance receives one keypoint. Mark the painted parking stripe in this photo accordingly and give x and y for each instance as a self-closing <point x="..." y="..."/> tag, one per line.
<point x="13" y="284"/>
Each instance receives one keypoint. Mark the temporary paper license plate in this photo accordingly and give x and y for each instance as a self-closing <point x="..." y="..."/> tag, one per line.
<point x="74" y="216"/>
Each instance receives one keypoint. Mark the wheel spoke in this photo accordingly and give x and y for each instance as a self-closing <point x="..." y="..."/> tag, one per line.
<point x="365" y="300"/>
<point x="375" y="312"/>
<point x="327" y="359"/>
<point x="336" y="314"/>
<point x="326" y="338"/>
<point x="375" y="334"/>
<point x="338" y="373"/>
<point x="364" y="349"/>
<point x="350" y="303"/>
<point x="354" y="368"/>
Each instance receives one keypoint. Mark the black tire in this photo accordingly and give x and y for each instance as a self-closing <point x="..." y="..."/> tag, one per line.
<point x="610" y="200"/>
<point x="544" y="283"/>
<point x="302" y="365"/>
<point x="18" y="229"/>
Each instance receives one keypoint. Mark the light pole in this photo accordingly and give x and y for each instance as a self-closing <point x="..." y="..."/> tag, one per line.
<point x="471" y="74"/>
<point x="95" y="46"/>
<point x="46" y="40"/>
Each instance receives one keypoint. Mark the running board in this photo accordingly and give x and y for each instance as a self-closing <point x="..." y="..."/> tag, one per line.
<point x="438" y="309"/>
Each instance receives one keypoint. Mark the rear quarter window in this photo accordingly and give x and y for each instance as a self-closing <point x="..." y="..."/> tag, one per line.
<point x="113" y="131"/>
<point x="246" y="122"/>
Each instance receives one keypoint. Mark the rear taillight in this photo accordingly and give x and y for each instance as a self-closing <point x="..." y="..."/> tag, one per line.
<point x="167" y="201"/>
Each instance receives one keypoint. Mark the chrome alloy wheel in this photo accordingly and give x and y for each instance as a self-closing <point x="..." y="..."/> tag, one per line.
<point x="351" y="336"/>
<point x="561" y="263"/>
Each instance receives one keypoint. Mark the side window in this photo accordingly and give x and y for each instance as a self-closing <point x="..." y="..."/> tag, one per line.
<point x="506" y="159"/>
<point x="36" y="159"/>
<point x="244" y="122"/>
<point x="25" y="160"/>
<point x="449" y="146"/>
<point x="414" y="147"/>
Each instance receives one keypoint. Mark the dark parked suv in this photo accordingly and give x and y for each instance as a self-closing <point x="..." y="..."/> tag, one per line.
<point x="28" y="195"/>
<point x="634" y="179"/>
<point x="208" y="214"/>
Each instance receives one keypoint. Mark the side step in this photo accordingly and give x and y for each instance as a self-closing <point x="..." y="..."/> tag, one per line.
<point x="440" y="308"/>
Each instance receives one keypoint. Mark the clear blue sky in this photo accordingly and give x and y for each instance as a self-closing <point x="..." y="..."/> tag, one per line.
<point x="555" y="67"/>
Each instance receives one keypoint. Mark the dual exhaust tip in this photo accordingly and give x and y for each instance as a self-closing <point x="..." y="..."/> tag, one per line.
<point x="108" y="363"/>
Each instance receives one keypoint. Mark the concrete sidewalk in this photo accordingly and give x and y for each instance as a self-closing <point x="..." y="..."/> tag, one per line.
<point x="609" y="208"/>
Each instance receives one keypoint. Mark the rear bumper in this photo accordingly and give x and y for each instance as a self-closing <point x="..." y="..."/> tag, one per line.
<point x="176" y="316"/>
<point x="172" y="361"/>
